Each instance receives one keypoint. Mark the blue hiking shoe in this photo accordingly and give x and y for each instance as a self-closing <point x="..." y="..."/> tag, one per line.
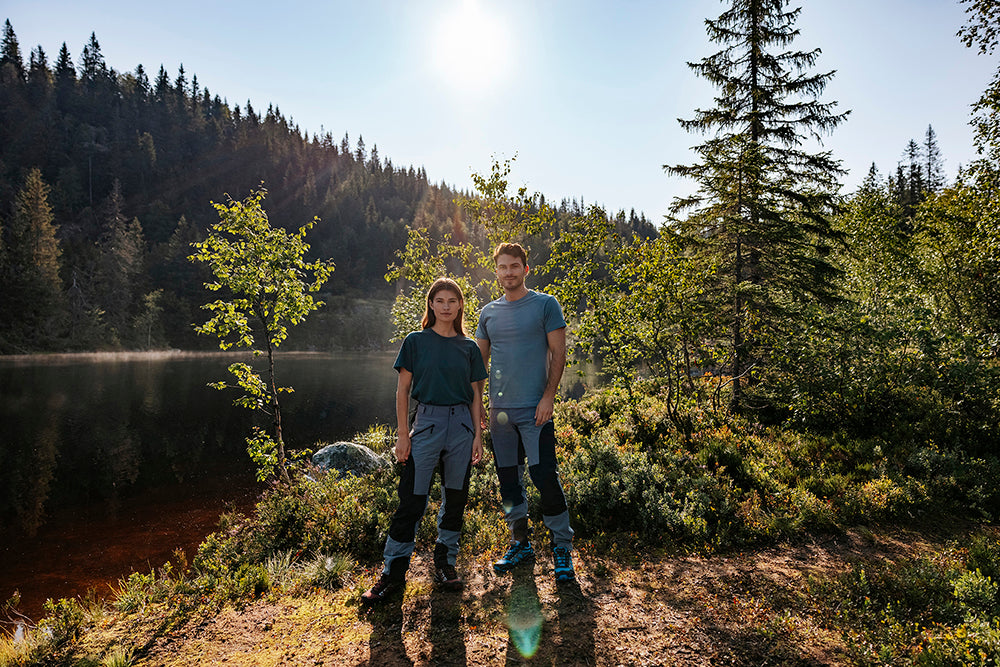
<point x="519" y="552"/>
<point x="563" y="564"/>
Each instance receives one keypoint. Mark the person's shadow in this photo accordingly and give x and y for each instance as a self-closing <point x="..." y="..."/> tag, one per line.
<point x="446" y="634"/>
<point x="524" y="614"/>
<point x="385" y="644"/>
<point x="576" y="625"/>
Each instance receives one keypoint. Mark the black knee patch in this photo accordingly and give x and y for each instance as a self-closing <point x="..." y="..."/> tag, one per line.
<point x="454" y="508"/>
<point x="511" y="492"/>
<point x="545" y="475"/>
<point x="411" y="507"/>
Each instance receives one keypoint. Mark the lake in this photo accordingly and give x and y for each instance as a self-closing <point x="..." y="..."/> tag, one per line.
<point x="109" y="462"/>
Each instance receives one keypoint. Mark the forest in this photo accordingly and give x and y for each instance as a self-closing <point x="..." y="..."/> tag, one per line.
<point x="107" y="177"/>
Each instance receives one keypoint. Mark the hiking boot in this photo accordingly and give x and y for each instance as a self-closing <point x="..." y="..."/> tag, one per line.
<point x="382" y="589"/>
<point x="444" y="572"/>
<point x="390" y="582"/>
<point x="518" y="552"/>
<point x="445" y="576"/>
<point x="563" y="564"/>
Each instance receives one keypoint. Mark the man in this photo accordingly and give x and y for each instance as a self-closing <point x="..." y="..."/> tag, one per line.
<point x="525" y="333"/>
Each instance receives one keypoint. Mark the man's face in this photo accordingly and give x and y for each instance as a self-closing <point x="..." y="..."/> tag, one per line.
<point x="511" y="272"/>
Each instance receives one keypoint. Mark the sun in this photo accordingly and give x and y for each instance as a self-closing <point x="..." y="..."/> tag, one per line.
<point x="470" y="48"/>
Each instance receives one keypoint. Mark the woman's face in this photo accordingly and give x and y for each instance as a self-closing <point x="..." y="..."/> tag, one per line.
<point x="446" y="306"/>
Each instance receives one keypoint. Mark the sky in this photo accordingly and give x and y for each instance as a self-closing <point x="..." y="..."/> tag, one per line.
<point x="583" y="95"/>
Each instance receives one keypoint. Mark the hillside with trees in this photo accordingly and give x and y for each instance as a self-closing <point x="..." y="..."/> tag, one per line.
<point x="107" y="176"/>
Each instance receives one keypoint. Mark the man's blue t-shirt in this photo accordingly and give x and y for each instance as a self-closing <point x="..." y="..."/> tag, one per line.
<point x="519" y="347"/>
<point x="443" y="368"/>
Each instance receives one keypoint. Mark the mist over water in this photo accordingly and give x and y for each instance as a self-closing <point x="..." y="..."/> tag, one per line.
<point x="109" y="462"/>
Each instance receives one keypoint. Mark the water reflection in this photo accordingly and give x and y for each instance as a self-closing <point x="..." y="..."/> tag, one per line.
<point x="135" y="452"/>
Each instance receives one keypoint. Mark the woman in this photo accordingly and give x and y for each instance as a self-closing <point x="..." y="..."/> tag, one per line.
<point x="442" y="370"/>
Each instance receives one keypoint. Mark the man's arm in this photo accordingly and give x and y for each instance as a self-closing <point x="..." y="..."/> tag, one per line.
<point x="557" y="363"/>
<point x="484" y="350"/>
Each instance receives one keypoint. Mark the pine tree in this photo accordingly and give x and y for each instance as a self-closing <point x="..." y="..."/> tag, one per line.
<point x="32" y="283"/>
<point x="64" y="65"/>
<point x="361" y="154"/>
<point x="38" y="69"/>
<point x="65" y="73"/>
<point x="933" y="164"/>
<point x="763" y="202"/>
<point x="11" y="62"/>
<point x="39" y="77"/>
<point x="123" y="249"/>
<point x="93" y="69"/>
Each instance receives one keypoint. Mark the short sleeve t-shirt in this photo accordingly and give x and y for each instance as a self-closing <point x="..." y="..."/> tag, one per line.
<point x="443" y="368"/>
<point x="519" y="347"/>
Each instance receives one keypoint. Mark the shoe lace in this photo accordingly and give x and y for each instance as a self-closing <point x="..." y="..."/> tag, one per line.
<point x="561" y="557"/>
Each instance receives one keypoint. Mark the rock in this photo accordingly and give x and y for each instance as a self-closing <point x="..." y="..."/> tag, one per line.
<point x="348" y="457"/>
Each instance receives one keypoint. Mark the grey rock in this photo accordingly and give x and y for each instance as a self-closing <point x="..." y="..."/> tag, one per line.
<point x="348" y="457"/>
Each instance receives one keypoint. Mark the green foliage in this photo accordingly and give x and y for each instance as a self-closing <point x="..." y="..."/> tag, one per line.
<point x="134" y="592"/>
<point x="762" y="210"/>
<point x="32" y="304"/>
<point x="937" y="609"/>
<point x="628" y="471"/>
<point x="122" y="656"/>
<point x="977" y="594"/>
<point x="327" y="571"/>
<point x="63" y="620"/>
<point x="267" y="283"/>
<point x="639" y="303"/>
<point x="422" y="262"/>
<point x="973" y="644"/>
<point x="263" y="271"/>
<point x="500" y="215"/>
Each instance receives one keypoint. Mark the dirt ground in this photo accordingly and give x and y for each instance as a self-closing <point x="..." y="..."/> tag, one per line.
<point x="738" y="609"/>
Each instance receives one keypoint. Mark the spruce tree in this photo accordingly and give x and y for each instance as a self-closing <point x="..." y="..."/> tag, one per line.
<point x="11" y="62"/>
<point x="93" y="69"/>
<point x="763" y="201"/>
<point x="121" y="266"/>
<point x="31" y="270"/>
<point x="933" y="163"/>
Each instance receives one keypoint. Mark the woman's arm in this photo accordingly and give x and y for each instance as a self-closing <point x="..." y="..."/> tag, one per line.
<point x="477" y="420"/>
<point x="403" y="385"/>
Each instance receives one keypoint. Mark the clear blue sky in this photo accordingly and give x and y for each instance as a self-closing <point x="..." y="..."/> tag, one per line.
<point x="585" y="93"/>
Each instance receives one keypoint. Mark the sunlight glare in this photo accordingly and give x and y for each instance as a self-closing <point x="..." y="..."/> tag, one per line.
<point x="471" y="47"/>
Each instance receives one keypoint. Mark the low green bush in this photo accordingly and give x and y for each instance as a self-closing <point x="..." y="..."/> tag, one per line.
<point x="938" y="609"/>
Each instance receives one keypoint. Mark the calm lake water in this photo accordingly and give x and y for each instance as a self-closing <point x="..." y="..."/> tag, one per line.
<point x="108" y="463"/>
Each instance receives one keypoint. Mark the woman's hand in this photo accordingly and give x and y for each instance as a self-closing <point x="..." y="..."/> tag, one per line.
<point x="403" y="447"/>
<point x="477" y="449"/>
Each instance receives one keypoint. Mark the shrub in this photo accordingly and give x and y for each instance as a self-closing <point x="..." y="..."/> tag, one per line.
<point x="972" y="644"/>
<point x="977" y="594"/>
<point x="614" y="490"/>
<point x="327" y="571"/>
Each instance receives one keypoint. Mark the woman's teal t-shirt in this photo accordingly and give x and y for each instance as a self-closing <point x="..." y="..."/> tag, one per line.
<point x="443" y="368"/>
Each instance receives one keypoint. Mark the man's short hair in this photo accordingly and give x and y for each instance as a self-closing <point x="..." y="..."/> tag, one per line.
<point x="512" y="249"/>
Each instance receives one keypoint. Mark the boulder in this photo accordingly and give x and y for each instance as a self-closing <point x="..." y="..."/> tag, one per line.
<point x="348" y="457"/>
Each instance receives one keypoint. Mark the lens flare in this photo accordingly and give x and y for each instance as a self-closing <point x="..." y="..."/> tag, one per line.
<point x="524" y="619"/>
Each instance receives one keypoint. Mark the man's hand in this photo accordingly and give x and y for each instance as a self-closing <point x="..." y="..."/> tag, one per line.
<point x="543" y="412"/>
<point x="403" y="447"/>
